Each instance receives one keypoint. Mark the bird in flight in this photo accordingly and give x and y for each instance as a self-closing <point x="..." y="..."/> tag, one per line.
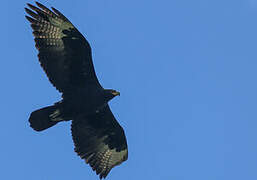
<point x="65" y="55"/>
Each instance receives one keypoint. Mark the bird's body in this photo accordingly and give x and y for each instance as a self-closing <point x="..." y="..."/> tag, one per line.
<point x="86" y="100"/>
<point x="65" y="55"/>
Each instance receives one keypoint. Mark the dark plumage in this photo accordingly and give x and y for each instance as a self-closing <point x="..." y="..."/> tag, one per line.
<point x="65" y="56"/>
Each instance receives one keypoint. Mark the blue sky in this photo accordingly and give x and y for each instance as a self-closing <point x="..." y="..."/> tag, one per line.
<point x="186" y="71"/>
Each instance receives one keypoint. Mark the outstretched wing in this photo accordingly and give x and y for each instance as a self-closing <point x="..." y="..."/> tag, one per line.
<point x="64" y="53"/>
<point x="100" y="140"/>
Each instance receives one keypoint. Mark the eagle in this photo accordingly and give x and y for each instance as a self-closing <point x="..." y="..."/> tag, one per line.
<point x="65" y="56"/>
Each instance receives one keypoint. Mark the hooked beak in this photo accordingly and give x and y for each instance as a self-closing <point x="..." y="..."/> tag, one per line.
<point x="116" y="93"/>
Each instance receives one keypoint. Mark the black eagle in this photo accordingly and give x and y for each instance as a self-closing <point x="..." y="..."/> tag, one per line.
<point x="65" y="56"/>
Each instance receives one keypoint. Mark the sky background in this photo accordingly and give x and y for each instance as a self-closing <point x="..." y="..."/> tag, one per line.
<point x="186" y="71"/>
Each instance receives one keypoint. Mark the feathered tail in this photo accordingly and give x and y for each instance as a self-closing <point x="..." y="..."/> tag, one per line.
<point x="46" y="117"/>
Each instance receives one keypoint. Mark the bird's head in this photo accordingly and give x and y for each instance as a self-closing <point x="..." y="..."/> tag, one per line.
<point x="110" y="93"/>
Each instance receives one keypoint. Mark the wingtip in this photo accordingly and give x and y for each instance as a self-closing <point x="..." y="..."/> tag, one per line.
<point x="55" y="10"/>
<point x="37" y="3"/>
<point x="27" y="10"/>
<point x="31" y="20"/>
<point x="31" y="6"/>
<point x="40" y="5"/>
<point x="31" y="13"/>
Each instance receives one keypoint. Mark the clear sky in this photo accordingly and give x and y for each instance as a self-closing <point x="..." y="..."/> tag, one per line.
<point x="187" y="74"/>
